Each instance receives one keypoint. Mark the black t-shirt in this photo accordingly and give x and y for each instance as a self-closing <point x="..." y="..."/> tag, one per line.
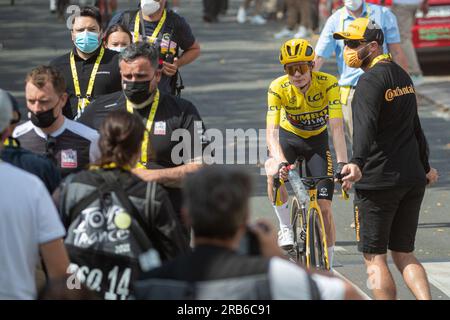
<point x="72" y="147"/>
<point x="388" y="142"/>
<point x="107" y="80"/>
<point x="173" y="113"/>
<point x="33" y="163"/>
<point x="176" y="33"/>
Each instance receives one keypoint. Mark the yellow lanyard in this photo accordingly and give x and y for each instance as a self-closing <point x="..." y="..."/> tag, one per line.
<point x="144" y="152"/>
<point x="379" y="58"/>
<point x="155" y="33"/>
<point x="83" y="102"/>
<point x="111" y="165"/>
<point x="368" y="12"/>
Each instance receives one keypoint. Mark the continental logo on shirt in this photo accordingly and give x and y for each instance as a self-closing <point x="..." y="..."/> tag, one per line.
<point x="391" y="94"/>
<point x="309" y="121"/>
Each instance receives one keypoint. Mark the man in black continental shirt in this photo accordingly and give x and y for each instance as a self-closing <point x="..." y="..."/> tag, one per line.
<point x="170" y="32"/>
<point x="89" y="69"/>
<point x="166" y="117"/>
<point x="389" y="164"/>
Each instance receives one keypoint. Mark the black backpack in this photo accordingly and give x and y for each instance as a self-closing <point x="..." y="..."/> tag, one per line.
<point x="107" y="236"/>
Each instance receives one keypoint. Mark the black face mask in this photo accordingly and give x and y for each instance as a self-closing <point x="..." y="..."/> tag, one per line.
<point x="42" y="119"/>
<point x="137" y="91"/>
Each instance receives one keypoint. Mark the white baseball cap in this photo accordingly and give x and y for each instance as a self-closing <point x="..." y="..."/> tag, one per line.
<point x="5" y="110"/>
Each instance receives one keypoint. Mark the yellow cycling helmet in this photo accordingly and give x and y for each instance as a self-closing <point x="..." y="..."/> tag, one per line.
<point x="296" y="50"/>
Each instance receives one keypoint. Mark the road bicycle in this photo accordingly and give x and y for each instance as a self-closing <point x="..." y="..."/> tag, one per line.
<point x="310" y="240"/>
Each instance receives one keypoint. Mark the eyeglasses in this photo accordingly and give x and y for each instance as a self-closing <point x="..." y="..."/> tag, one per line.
<point x="301" y="67"/>
<point x="353" y="44"/>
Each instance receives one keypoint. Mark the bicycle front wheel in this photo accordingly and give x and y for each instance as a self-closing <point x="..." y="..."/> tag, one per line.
<point x="298" y="224"/>
<point x="316" y="242"/>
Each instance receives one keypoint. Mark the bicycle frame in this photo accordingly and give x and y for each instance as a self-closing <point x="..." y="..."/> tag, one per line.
<point x="313" y="204"/>
<point x="309" y="186"/>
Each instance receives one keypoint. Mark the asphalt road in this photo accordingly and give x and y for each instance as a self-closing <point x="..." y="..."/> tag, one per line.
<point x="228" y="84"/>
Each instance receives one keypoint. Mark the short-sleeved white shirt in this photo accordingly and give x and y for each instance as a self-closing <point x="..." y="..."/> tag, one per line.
<point x="290" y="282"/>
<point x="28" y="218"/>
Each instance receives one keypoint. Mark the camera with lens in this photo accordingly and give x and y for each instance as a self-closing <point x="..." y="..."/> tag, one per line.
<point x="169" y="57"/>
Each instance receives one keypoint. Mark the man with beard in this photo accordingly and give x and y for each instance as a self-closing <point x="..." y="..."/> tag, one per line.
<point x="71" y="145"/>
<point x="327" y="46"/>
<point x="168" y="31"/>
<point x="164" y="159"/>
<point x="390" y="162"/>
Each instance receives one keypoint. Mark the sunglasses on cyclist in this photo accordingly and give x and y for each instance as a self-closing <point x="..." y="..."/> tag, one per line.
<point x="353" y="44"/>
<point x="301" y="67"/>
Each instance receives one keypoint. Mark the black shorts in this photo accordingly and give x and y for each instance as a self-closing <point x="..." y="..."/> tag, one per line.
<point x="387" y="218"/>
<point x="317" y="155"/>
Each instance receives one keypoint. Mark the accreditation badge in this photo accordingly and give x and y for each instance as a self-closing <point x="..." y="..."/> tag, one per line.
<point x="160" y="128"/>
<point x="69" y="159"/>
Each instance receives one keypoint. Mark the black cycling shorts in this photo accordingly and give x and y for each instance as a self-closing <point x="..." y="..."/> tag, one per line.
<point x="387" y="218"/>
<point x="317" y="155"/>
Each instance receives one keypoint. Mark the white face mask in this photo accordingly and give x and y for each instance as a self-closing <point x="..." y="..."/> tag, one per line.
<point x="117" y="49"/>
<point x="353" y="5"/>
<point x="149" y="7"/>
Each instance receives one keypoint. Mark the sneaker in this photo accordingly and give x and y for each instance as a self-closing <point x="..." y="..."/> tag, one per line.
<point x="285" y="33"/>
<point x="285" y="238"/>
<point x="302" y="33"/>
<point x="259" y="20"/>
<point x="418" y="80"/>
<point x="241" y="15"/>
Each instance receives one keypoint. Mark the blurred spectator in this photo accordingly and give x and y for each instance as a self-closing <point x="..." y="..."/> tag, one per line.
<point x="327" y="46"/>
<point x="59" y="6"/>
<point x="89" y="69"/>
<point x="175" y="5"/>
<point x="169" y="32"/>
<point x="109" y="200"/>
<point x="211" y="10"/>
<point x="257" y="14"/>
<point x="405" y="11"/>
<point x="29" y="225"/>
<point x="117" y="38"/>
<point x="36" y="164"/>
<point x="223" y="7"/>
<point x="294" y="10"/>
<point x="221" y="267"/>
<point x="71" y="145"/>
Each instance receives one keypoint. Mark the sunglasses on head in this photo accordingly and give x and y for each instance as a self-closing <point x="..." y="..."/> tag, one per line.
<point x="353" y="44"/>
<point x="301" y="67"/>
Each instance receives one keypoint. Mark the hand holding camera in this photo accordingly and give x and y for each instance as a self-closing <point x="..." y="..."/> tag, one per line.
<point x="170" y="67"/>
<point x="265" y="236"/>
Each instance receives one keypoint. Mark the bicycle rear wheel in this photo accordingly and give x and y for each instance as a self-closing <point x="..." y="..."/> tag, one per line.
<point x="298" y="251"/>
<point x="316" y="243"/>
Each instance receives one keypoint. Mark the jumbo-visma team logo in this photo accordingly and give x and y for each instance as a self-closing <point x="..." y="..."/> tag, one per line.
<point x="308" y="121"/>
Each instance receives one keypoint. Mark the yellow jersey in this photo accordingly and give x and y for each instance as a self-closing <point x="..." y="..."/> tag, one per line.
<point x="305" y="115"/>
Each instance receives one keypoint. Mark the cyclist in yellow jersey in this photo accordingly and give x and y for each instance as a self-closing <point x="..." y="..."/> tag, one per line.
<point x="301" y="105"/>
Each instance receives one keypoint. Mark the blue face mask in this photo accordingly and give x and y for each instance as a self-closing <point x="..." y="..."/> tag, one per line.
<point x="87" y="41"/>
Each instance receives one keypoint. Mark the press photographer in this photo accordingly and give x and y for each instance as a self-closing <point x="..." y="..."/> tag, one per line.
<point x="217" y="206"/>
